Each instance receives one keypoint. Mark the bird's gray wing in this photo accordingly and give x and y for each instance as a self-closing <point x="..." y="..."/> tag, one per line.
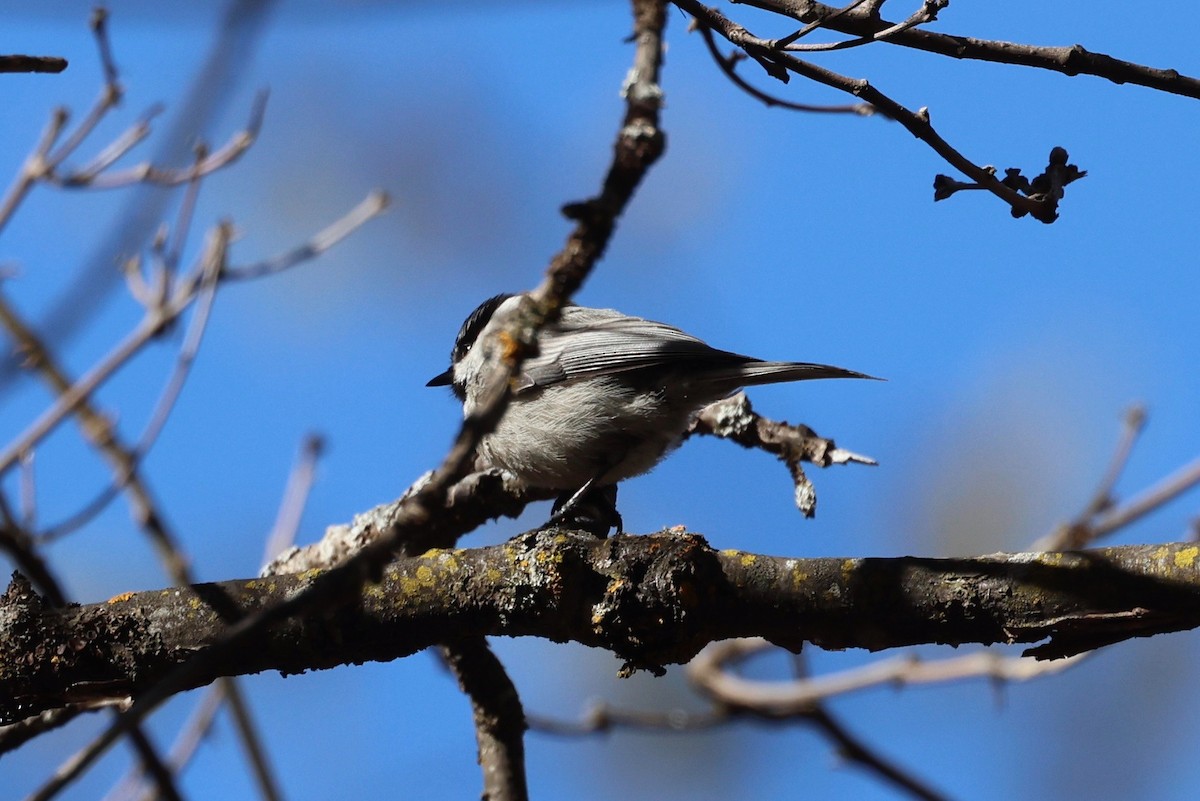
<point x="587" y="343"/>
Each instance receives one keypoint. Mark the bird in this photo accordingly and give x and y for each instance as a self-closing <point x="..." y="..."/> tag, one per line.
<point x="606" y="397"/>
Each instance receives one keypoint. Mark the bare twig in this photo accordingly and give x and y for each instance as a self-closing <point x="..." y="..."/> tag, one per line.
<point x="855" y="750"/>
<point x="148" y="173"/>
<point x="709" y="673"/>
<point x="599" y="718"/>
<point x="34" y="167"/>
<point x="926" y="13"/>
<point x="110" y="95"/>
<point x="371" y="206"/>
<point x="779" y="64"/>
<point x="820" y="22"/>
<point x="728" y="67"/>
<point x="499" y="717"/>
<point x="1171" y="487"/>
<point x="232" y="44"/>
<point x="733" y="418"/>
<point x="154" y="322"/>
<point x="295" y="495"/>
<point x="1071" y="60"/>
<point x="191" y="735"/>
<point x="14" y="735"/>
<point x="1080" y="531"/>
<point x="22" y="63"/>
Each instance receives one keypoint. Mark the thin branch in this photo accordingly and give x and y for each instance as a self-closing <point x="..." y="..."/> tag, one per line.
<point x="371" y="206"/>
<point x="600" y="718"/>
<point x="855" y="750"/>
<point x="22" y="63"/>
<point x="110" y="94"/>
<point x="21" y="547"/>
<point x="1071" y="61"/>
<point x="817" y="23"/>
<point x="148" y="173"/>
<point x="295" y="496"/>
<point x="709" y="673"/>
<point x="1080" y="531"/>
<point x="499" y="717"/>
<point x="187" y="742"/>
<point x="1171" y="487"/>
<point x="154" y="767"/>
<point x="34" y="167"/>
<point x="926" y="13"/>
<point x="779" y="64"/>
<point x="727" y="64"/>
<point x="14" y="735"/>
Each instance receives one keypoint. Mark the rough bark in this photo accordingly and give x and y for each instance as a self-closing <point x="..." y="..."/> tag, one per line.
<point x="652" y="600"/>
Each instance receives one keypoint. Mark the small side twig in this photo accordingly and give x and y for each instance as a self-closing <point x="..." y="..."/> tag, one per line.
<point x="733" y="418"/>
<point x="1080" y="531"/>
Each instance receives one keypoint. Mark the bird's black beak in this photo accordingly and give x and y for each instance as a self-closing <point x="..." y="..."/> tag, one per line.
<point x="442" y="379"/>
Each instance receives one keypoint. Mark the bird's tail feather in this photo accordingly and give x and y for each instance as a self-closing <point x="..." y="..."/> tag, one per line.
<point x="754" y="373"/>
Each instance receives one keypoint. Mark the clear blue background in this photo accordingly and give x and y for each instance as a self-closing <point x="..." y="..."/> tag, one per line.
<point x="1011" y="349"/>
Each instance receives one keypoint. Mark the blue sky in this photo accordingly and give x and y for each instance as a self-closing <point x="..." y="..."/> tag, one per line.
<point x="1011" y="350"/>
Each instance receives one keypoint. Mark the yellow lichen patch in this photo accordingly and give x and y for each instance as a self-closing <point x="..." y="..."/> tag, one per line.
<point x="409" y="585"/>
<point x="425" y="575"/>
<point x="799" y="577"/>
<point x="493" y="575"/>
<point x="252" y="584"/>
<point x="748" y="559"/>
<point x="116" y="599"/>
<point x="1160" y="553"/>
<point x="554" y="557"/>
<point x="730" y="552"/>
<point x="1186" y="557"/>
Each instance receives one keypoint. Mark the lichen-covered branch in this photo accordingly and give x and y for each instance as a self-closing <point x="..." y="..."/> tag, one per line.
<point x="652" y="600"/>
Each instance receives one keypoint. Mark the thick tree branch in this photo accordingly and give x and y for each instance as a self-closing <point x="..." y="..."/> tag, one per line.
<point x="652" y="600"/>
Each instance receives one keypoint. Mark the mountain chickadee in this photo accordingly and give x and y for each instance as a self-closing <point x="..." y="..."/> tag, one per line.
<point x="605" y="398"/>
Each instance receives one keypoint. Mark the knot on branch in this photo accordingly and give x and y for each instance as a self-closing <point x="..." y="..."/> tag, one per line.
<point x="647" y="611"/>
